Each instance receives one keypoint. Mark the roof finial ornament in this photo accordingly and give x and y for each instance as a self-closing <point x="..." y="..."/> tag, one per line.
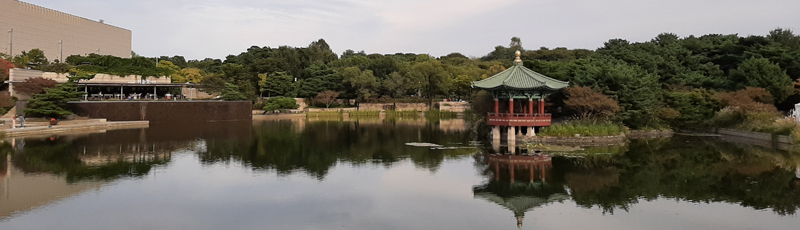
<point x="518" y="60"/>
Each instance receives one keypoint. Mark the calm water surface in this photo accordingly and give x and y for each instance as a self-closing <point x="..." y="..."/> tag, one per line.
<point x="361" y="175"/>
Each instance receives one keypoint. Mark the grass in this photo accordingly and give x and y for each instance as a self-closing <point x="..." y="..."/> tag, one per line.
<point x="440" y="114"/>
<point x="325" y="114"/>
<point x="365" y="113"/>
<point x="758" y="121"/>
<point x="394" y="113"/>
<point x="584" y="128"/>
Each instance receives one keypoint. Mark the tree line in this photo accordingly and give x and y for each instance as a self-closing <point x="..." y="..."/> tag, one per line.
<point x="668" y="74"/>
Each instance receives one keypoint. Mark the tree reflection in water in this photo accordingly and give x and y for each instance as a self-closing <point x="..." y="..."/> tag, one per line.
<point x="314" y="147"/>
<point x="701" y="170"/>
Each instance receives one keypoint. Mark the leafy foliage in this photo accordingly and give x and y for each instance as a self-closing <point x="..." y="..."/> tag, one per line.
<point x="637" y="91"/>
<point x="688" y="108"/>
<point x="276" y="103"/>
<point x="588" y="103"/>
<point x="760" y="72"/>
<point x="53" y="103"/>
<point x="232" y="93"/>
<point x="36" y="85"/>
<point x="327" y="97"/>
<point x="583" y="127"/>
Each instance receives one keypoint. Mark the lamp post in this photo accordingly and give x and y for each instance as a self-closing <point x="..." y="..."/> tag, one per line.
<point x="61" y="49"/>
<point x="11" y="42"/>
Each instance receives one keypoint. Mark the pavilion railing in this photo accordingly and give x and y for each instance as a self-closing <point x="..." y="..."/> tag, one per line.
<point x="520" y="115"/>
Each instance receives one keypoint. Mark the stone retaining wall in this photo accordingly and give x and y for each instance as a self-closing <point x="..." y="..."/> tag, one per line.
<point x="165" y="111"/>
<point x="756" y="135"/>
<point x="458" y="107"/>
<point x="648" y="134"/>
<point x="397" y="106"/>
<point x="573" y="140"/>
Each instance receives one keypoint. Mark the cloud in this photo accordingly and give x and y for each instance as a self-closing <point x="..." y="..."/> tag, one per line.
<point x="215" y="28"/>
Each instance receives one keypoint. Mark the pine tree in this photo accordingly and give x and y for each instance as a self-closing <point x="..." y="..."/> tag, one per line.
<point x="53" y="103"/>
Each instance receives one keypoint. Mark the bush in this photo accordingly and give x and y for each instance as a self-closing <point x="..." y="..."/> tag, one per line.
<point x="750" y="98"/>
<point x="440" y="114"/>
<point x="394" y="113"/>
<point x="588" y="103"/>
<point x="7" y="101"/>
<point x="364" y="113"/>
<point x="584" y="127"/>
<point x="689" y="108"/>
<point x="276" y="103"/>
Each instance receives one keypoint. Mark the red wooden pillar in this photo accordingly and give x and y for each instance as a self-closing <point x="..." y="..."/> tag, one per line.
<point x="496" y="171"/>
<point x="496" y="106"/>
<point x="541" y="106"/>
<point x="530" y="168"/>
<point x="530" y="106"/>
<point x="511" y="106"/>
<point x="511" y="171"/>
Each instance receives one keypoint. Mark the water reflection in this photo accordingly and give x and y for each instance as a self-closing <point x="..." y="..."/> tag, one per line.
<point x="691" y="169"/>
<point x="362" y="174"/>
<point x="314" y="147"/>
<point x="506" y="190"/>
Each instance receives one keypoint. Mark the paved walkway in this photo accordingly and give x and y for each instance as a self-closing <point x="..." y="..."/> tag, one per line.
<point x="44" y="128"/>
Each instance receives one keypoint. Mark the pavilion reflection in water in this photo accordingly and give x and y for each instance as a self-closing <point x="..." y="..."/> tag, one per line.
<point x="519" y="196"/>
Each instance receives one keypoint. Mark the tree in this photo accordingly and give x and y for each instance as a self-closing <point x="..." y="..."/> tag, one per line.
<point x="169" y="68"/>
<point x="53" y="103"/>
<point x="275" y="84"/>
<point x="462" y="86"/>
<point x="276" y="103"/>
<point x="191" y="75"/>
<point x="6" y="102"/>
<point x="232" y="93"/>
<point x="5" y="66"/>
<point x="691" y="107"/>
<point x="760" y="72"/>
<point x="395" y="85"/>
<point x="36" y="85"/>
<point x="430" y="76"/>
<point x="637" y="91"/>
<point x="588" y="103"/>
<point x="213" y="84"/>
<point x="327" y="97"/>
<point x="363" y="82"/>
<point x="34" y="56"/>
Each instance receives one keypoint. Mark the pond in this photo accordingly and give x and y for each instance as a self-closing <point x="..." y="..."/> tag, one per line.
<point x="384" y="174"/>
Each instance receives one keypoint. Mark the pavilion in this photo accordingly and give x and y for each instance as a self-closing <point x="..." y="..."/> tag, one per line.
<point x="520" y="196"/>
<point x="519" y="83"/>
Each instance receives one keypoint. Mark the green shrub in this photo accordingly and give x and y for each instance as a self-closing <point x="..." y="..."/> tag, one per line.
<point x="440" y="114"/>
<point x="276" y="103"/>
<point x="394" y="113"/>
<point x="364" y="113"/>
<point x="582" y="127"/>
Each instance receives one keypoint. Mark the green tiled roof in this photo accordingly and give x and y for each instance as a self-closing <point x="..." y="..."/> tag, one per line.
<point x="520" y="78"/>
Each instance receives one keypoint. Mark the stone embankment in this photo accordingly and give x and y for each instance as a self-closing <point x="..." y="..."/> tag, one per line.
<point x="70" y="127"/>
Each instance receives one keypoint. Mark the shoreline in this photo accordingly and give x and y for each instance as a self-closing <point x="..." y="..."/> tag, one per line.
<point x="92" y="127"/>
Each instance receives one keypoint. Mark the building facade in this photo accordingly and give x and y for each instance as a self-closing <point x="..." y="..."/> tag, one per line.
<point x="24" y="26"/>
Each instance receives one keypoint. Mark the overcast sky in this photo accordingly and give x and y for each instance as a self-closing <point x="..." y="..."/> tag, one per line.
<point x="198" y="29"/>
